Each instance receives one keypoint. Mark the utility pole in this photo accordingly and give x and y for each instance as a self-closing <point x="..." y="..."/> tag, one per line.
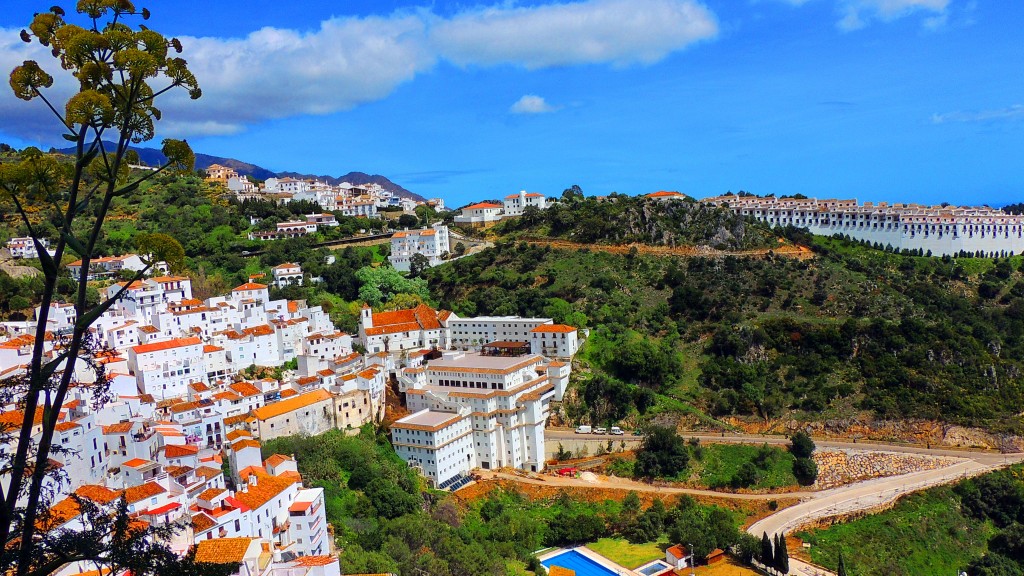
<point x="692" y="573"/>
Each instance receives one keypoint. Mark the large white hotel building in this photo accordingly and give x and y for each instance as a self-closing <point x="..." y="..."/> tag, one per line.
<point x="940" y="230"/>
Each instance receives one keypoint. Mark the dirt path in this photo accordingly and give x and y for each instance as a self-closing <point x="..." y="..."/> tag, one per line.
<point x="785" y="250"/>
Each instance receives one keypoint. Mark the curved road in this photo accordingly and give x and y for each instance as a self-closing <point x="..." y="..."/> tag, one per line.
<point x="818" y="505"/>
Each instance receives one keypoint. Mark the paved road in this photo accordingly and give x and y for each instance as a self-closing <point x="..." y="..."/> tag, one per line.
<point x="823" y="504"/>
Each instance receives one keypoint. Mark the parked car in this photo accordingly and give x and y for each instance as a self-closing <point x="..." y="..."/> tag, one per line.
<point x="616" y="431"/>
<point x="583" y="429"/>
<point x="601" y="430"/>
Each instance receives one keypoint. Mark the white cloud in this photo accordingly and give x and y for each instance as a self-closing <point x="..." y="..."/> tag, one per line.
<point x="857" y="13"/>
<point x="531" y="104"/>
<point x="1010" y="113"/>
<point x="276" y="73"/>
<point x="595" y="31"/>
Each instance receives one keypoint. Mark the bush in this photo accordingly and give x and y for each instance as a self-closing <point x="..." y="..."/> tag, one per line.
<point x="806" y="471"/>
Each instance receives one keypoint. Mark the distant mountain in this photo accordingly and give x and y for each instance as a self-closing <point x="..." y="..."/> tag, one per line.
<point x="359" y="178"/>
<point x="154" y="157"/>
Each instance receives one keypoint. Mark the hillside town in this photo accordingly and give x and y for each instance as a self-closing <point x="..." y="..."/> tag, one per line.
<point x="180" y="436"/>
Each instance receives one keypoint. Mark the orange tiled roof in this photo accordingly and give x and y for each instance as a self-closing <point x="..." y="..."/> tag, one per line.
<point x="211" y="493"/>
<point x="250" y="286"/>
<point x="556" y="328"/>
<point x="135" y="494"/>
<point x="207" y="472"/>
<point x="176" y="451"/>
<point x="283" y="406"/>
<point x="482" y="205"/>
<point x="276" y="460"/>
<point x="266" y="488"/>
<point x="135" y="462"/>
<point x="246" y="443"/>
<point x="222" y="550"/>
<point x="210" y="348"/>
<point x="15" y="417"/>
<point x="167" y="345"/>
<point x="309" y="561"/>
<point x="236" y="434"/>
<point x="245" y="389"/>
<point x="201" y="523"/>
<point x="288" y="393"/>
<point x="65" y="426"/>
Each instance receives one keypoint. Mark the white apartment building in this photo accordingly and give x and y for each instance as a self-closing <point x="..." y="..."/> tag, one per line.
<point x="515" y="204"/>
<point x="472" y="333"/>
<point x="107" y="266"/>
<point x="430" y="242"/>
<point x="165" y="369"/>
<point x="440" y="444"/>
<point x="505" y="398"/>
<point x="940" y="230"/>
<point x="555" y="340"/>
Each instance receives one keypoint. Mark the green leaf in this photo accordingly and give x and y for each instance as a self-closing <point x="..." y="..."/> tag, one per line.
<point x="128" y="188"/>
<point x="70" y="137"/>
<point x="74" y="243"/>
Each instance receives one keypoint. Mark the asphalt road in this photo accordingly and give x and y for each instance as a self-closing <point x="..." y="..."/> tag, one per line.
<point x="864" y="495"/>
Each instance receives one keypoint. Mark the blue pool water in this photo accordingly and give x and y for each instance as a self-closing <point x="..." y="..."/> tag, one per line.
<point x="578" y="563"/>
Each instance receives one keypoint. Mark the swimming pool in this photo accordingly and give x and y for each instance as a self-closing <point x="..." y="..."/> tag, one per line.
<point x="578" y="563"/>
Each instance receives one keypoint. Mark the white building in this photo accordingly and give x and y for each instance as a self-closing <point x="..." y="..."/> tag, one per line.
<point x="940" y="230"/>
<point x="515" y="204"/>
<point x="430" y="242"/>
<point x="287" y="274"/>
<point x="504" y="398"/>
<point x="555" y="340"/>
<point x="479" y="215"/>
<point x="165" y="369"/>
<point x="26" y="247"/>
<point x="107" y="266"/>
<point x="440" y="444"/>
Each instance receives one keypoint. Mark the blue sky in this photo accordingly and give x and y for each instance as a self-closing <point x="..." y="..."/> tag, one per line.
<point x="904" y="100"/>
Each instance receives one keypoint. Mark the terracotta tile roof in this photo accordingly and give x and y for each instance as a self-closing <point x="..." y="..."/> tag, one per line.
<point x="148" y="329"/>
<point x="678" y="551"/>
<point x="288" y="393"/>
<point x="167" y="345"/>
<point x="210" y="348"/>
<point x="276" y="460"/>
<point x="184" y="407"/>
<point x="245" y="389"/>
<point x="293" y="307"/>
<point x="177" y="471"/>
<point x="283" y="406"/>
<point x="207" y="472"/>
<point x="15" y="417"/>
<point x="135" y="494"/>
<point x="232" y="420"/>
<point x="199" y="387"/>
<point x="65" y="426"/>
<point x="176" y="451"/>
<point x="236" y="434"/>
<point x="211" y="493"/>
<point x="309" y="561"/>
<point x="556" y="328"/>
<point x="97" y="493"/>
<point x="250" y="286"/>
<point x="246" y="443"/>
<point x="482" y="205"/>
<point x="136" y="462"/>
<point x="262" y="330"/>
<point x="266" y="488"/>
<point x="222" y="550"/>
<point x="663" y="194"/>
<point x="201" y="523"/>
<point x="231" y="396"/>
<point x="306" y="380"/>
<point x="166" y="279"/>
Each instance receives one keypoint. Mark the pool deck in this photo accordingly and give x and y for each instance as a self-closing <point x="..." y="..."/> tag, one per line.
<point x="621" y="570"/>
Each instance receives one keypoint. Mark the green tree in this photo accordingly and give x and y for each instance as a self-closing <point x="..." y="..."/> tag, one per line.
<point x="767" y="555"/>
<point x="459" y="249"/>
<point x="121" y="71"/>
<point x="417" y="264"/>
<point x="801" y="445"/>
<point x="805" y="470"/>
<point x="662" y="453"/>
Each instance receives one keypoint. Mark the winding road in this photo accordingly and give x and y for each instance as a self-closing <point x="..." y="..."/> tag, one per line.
<point x="813" y="505"/>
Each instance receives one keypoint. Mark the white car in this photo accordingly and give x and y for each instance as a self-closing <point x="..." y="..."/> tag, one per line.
<point x="601" y="430"/>
<point x="616" y="431"/>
